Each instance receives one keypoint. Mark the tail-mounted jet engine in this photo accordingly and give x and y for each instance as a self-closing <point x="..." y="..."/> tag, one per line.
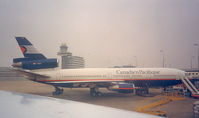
<point x="31" y="64"/>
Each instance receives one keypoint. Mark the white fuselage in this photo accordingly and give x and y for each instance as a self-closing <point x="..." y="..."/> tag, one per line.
<point x="92" y="75"/>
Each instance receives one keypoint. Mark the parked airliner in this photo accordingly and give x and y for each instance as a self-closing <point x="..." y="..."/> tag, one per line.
<point x="36" y="67"/>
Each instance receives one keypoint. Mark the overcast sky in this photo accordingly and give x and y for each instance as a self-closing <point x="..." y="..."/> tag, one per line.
<point x="105" y="32"/>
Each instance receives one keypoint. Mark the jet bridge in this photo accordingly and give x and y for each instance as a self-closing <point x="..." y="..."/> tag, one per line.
<point x="190" y="87"/>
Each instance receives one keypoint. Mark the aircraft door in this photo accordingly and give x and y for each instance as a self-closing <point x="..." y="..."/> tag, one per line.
<point x="58" y="75"/>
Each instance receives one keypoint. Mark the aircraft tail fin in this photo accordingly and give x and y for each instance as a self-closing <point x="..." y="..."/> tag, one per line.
<point x="28" y="50"/>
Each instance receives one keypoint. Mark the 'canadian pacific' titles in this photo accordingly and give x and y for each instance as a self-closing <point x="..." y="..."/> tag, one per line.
<point x="137" y="72"/>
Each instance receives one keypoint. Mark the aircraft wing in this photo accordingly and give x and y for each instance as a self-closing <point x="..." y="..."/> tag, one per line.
<point x="18" y="105"/>
<point x="28" y="72"/>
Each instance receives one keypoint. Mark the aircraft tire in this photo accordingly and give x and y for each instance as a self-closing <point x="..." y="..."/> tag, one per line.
<point x="94" y="94"/>
<point x="99" y="94"/>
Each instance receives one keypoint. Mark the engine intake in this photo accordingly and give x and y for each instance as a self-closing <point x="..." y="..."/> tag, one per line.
<point x="123" y="88"/>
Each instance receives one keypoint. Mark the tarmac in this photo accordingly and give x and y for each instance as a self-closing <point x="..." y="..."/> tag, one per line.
<point x="11" y="81"/>
<point x="174" y="109"/>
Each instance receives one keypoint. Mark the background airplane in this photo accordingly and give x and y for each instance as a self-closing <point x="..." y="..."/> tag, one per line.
<point x="36" y="67"/>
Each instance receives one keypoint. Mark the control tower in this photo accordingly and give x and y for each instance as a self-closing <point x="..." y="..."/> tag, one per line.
<point x="67" y="61"/>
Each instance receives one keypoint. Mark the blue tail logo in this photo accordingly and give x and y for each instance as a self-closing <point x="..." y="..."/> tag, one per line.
<point x="28" y="49"/>
<point x="32" y="58"/>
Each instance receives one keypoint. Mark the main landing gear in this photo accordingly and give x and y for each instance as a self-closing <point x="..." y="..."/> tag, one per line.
<point x="95" y="92"/>
<point x="143" y="91"/>
<point x="58" y="91"/>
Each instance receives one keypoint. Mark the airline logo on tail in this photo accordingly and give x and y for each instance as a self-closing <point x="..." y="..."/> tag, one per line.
<point x="32" y="58"/>
<point x="28" y="49"/>
<point x="23" y="49"/>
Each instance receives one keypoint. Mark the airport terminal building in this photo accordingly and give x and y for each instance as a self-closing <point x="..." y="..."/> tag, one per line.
<point x="67" y="60"/>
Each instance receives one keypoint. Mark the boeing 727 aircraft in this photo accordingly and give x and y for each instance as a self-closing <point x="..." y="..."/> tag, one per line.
<point x="36" y="67"/>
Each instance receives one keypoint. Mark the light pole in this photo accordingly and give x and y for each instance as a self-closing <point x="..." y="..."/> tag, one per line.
<point x="198" y="53"/>
<point x="162" y="51"/>
<point x="192" y="61"/>
<point x="136" y="62"/>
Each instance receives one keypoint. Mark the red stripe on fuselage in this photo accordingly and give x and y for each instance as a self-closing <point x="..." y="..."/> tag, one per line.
<point x="180" y="85"/>
<point x="194" y="95"/>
